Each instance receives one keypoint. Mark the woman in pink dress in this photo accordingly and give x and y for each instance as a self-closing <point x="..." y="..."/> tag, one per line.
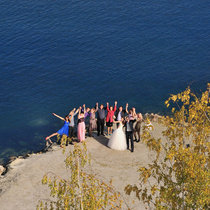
<point x="81" y="125"/>
<point x="109" y="117"/>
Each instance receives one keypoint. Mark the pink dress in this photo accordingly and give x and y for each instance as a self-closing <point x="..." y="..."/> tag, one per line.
<point x="81" y="129"/>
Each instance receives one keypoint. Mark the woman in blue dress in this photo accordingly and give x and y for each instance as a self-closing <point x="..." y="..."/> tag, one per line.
<point x="65" y="129"/>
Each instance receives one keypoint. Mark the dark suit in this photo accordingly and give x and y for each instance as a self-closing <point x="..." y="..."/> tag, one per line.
<point x="129" y="134"/>
<point x="101" y="115"/>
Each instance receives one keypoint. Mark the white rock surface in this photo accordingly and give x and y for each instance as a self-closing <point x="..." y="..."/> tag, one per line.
<point x="2" y="169"/>
<point x="21" y="187"/>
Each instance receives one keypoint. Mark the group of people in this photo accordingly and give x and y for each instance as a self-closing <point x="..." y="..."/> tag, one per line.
<point x="97" y="117"/>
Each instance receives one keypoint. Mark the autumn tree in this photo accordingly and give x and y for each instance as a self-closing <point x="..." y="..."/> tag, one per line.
<point x="178" y="177"/>
<point x="83" y="190"/>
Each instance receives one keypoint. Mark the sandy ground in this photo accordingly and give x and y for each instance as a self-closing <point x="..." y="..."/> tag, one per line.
<point x="21" y="187"/>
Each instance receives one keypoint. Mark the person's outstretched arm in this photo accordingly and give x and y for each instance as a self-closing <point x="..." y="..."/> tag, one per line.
<point x="72" y="111"/>
<point x="115" y="106"/>
<point x="84" y="109"/>
<point x="126" y="108"/>
<point x="79" y="112"/>
<point x="76" y="112"/>
<point x="134" y="112"/>
<point x="96" y="106"/>
<point x="107" y="106"/>
<point x="58" y="116"/>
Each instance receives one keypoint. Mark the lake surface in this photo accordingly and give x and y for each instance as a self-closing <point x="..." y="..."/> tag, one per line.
<point x="56" y="55"/>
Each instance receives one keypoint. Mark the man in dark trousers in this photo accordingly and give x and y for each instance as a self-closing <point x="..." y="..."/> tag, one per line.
<point x="129" y="121"/>
<point x="100" y="118"/>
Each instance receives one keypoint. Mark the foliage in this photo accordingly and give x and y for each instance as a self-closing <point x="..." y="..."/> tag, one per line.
<point x="178" y="177"/>
<point x="82" y="190"/>
<point x="63" y="140"/>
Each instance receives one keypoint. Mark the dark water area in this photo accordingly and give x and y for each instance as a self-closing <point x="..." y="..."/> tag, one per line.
<point x="56" y="55"/>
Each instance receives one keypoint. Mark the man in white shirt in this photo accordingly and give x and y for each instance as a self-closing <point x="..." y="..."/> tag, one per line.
<point x="129" y="132"/>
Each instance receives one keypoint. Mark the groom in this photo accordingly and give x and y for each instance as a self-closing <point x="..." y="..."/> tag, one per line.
<point x="129" y="121"/>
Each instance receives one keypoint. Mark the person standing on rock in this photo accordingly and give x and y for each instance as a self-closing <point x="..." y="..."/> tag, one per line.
<point x="100" y="118"/>
<point x="81" y="125"/>
<point x="72" y="114"/>
<point x="109" y="117"/>
<point x="92" y="122"/>
<point x="65" y="129"/>
<point x="120" y="113"/>
<point x="129" y="121"/>
<point x="137" y="129"/>
<point x="132" y="112"/>
<point x="117" y="140"/>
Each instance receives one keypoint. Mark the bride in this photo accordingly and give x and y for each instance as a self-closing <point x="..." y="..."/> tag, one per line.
<point x="117" y="140"/>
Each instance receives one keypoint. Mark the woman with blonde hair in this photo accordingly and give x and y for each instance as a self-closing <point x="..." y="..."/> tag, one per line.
<point x="137" y="128"/>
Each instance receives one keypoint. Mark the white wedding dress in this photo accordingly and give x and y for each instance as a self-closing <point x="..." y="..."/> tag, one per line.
<point x="117" y="140"/>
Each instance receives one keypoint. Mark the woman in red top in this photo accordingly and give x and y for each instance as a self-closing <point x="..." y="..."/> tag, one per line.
<point x="109" y="117"/>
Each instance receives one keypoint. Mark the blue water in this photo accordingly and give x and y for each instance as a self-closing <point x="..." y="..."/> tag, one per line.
<point x="56" y="55"/>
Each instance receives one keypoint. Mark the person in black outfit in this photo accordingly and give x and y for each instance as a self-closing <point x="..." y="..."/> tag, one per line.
<point x="129" y="121"/>
<point x="120" y="113"/>
<point x="100" y="118"/>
